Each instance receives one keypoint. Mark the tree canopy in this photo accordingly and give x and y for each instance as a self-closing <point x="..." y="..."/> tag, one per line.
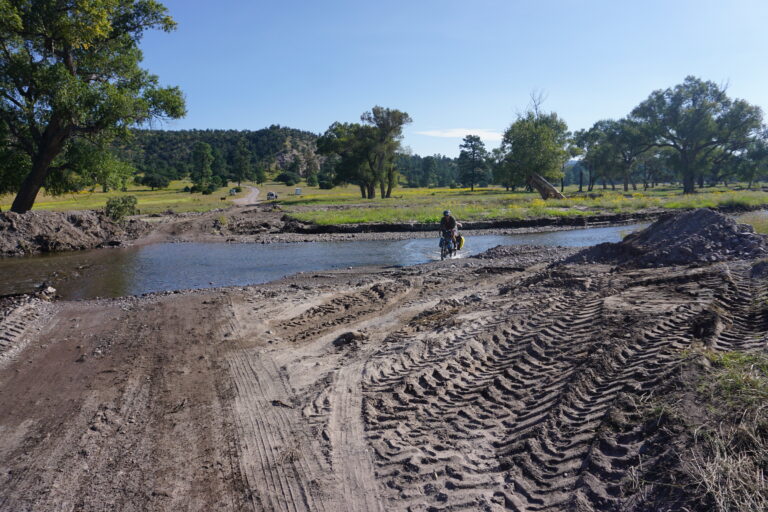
<point x="70" y="82"/>
<point x="534" y="150"/>
<point x="366" y="154"/>
<point x="697" y="119"/>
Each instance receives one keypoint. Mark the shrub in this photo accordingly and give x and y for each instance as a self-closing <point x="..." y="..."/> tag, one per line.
<point x="118" y="208"/>
<point x="154" y="181"/>
<point x="289" y="178"/>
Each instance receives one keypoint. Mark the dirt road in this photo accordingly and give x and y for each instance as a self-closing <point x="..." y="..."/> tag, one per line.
<point x="251" y="198"/>
<point x="475" y="384"/>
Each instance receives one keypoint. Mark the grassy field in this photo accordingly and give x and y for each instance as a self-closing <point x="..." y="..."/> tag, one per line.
<point x="149" y="201"/>
<point x="344" y="205"/>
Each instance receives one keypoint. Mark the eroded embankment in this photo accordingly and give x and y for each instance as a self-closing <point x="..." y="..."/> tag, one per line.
<point x="514" y="381"/>
<point x="41" y="231"/>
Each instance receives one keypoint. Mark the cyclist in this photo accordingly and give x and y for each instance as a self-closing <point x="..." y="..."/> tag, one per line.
<point x="448" y="223"/>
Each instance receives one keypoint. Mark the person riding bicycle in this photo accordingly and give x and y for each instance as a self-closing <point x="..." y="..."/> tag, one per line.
<point x="449" y="223"/>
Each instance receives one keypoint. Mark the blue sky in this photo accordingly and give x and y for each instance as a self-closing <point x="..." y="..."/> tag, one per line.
<point x="455" y="67"/>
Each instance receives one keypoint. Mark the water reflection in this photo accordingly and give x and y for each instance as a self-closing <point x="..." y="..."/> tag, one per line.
<point x="160" y="267"/>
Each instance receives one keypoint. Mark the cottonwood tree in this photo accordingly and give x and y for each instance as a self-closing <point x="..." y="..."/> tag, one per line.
<point x="697" y="119"/>
<point x="535" y="149"/>
<point x="69" y="70"/>
<point x="347" y="145"/>
<point x="365" y="153"/>
<point x="752" y="164"/>
<point x="384" y="143"/>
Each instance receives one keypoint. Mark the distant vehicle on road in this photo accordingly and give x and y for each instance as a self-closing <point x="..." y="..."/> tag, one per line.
<point x="271" y="195"/>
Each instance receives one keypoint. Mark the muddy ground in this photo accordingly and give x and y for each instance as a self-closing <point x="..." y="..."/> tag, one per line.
<point x="507" y="382"/>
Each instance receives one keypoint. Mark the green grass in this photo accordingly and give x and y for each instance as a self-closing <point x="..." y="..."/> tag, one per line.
<point x="345" y="206"/>
<point x="149" y="201"/>
<point x="757" y="220"/>
<point x="740" y="378"/>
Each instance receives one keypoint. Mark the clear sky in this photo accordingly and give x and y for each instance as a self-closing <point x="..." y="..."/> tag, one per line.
<point x="456" y="67"/>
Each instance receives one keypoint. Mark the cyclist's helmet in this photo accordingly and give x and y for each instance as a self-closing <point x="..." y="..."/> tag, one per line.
<point x="447" y="212"/>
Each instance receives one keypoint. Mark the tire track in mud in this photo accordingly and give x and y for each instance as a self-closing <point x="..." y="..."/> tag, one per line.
<point x="279" y="462"/>
<point x="344" y="309"/>
<point x="15" y="321"/>
<point x="508" y="414"/>
<point x="741" y="311"/>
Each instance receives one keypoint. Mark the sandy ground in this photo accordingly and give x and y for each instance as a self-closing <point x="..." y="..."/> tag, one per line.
<point x="475" y="384"/>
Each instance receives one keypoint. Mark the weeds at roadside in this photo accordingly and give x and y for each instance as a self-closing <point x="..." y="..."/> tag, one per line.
<point x="726" y="417"/>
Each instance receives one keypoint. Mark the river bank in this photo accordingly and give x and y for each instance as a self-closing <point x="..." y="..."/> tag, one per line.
<point x="264" y="223"/>
<point x="522" y="378"/>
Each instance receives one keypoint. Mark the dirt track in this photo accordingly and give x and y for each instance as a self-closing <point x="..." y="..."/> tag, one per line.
<point x="477" y="384"/>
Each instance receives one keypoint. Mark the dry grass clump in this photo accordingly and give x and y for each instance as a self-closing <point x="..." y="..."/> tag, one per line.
<point x="730" y="454"/>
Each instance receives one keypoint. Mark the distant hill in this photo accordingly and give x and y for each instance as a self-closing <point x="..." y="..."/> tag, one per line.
<point x="274" y="149"/>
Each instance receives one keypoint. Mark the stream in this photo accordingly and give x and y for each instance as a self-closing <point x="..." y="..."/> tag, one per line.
<point x="177" y="266"/>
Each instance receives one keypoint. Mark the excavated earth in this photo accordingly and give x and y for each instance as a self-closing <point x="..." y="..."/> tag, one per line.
<point x="507" y="382"/>
<point x="42" y="231"/>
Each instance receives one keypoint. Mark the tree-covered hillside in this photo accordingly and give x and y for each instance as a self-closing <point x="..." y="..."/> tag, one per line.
<point x="269" y="150"/>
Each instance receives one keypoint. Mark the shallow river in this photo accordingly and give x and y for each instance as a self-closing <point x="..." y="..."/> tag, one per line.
<point x="162" y="267"/>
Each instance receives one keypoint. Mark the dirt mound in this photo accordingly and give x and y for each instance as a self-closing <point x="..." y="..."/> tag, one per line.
<point x="35" y="232"/>
<point x="697" y="236"/>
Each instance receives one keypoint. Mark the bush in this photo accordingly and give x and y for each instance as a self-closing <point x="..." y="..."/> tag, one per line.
<point x="118" y="208"/>
<point x="289" y="178"/>
<point x="154" y="181"/>
<point x="312" y="180"/>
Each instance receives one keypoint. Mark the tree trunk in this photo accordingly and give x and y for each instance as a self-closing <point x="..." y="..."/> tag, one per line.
<point x="52" y="142"/>
<point x="701" y="181"/>
<point x="689" y="182"/>
<point x="562" y="185"/>
<point x="581" y="179"/>
<point x="31" y="185"/>
<point x="371" y="191"/>
<point x="543" y="187"/>
<point x="626" y="182"/>
<point x="363" y="192"/>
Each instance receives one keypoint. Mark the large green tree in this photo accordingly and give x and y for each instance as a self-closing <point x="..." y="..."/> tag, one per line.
<point x="69" y="73"/>
<point x="534" y="148"/>
<point x="472" y="161"/>
<point x="365" y="154"/>
<point x="348" y="146"/>
<point x="385" y="141"/>
<point x="697" y="120"/>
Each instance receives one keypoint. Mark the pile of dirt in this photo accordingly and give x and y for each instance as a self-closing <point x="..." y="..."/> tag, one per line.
<point x="35" y="232"/>
<point x="694" y="237"/>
